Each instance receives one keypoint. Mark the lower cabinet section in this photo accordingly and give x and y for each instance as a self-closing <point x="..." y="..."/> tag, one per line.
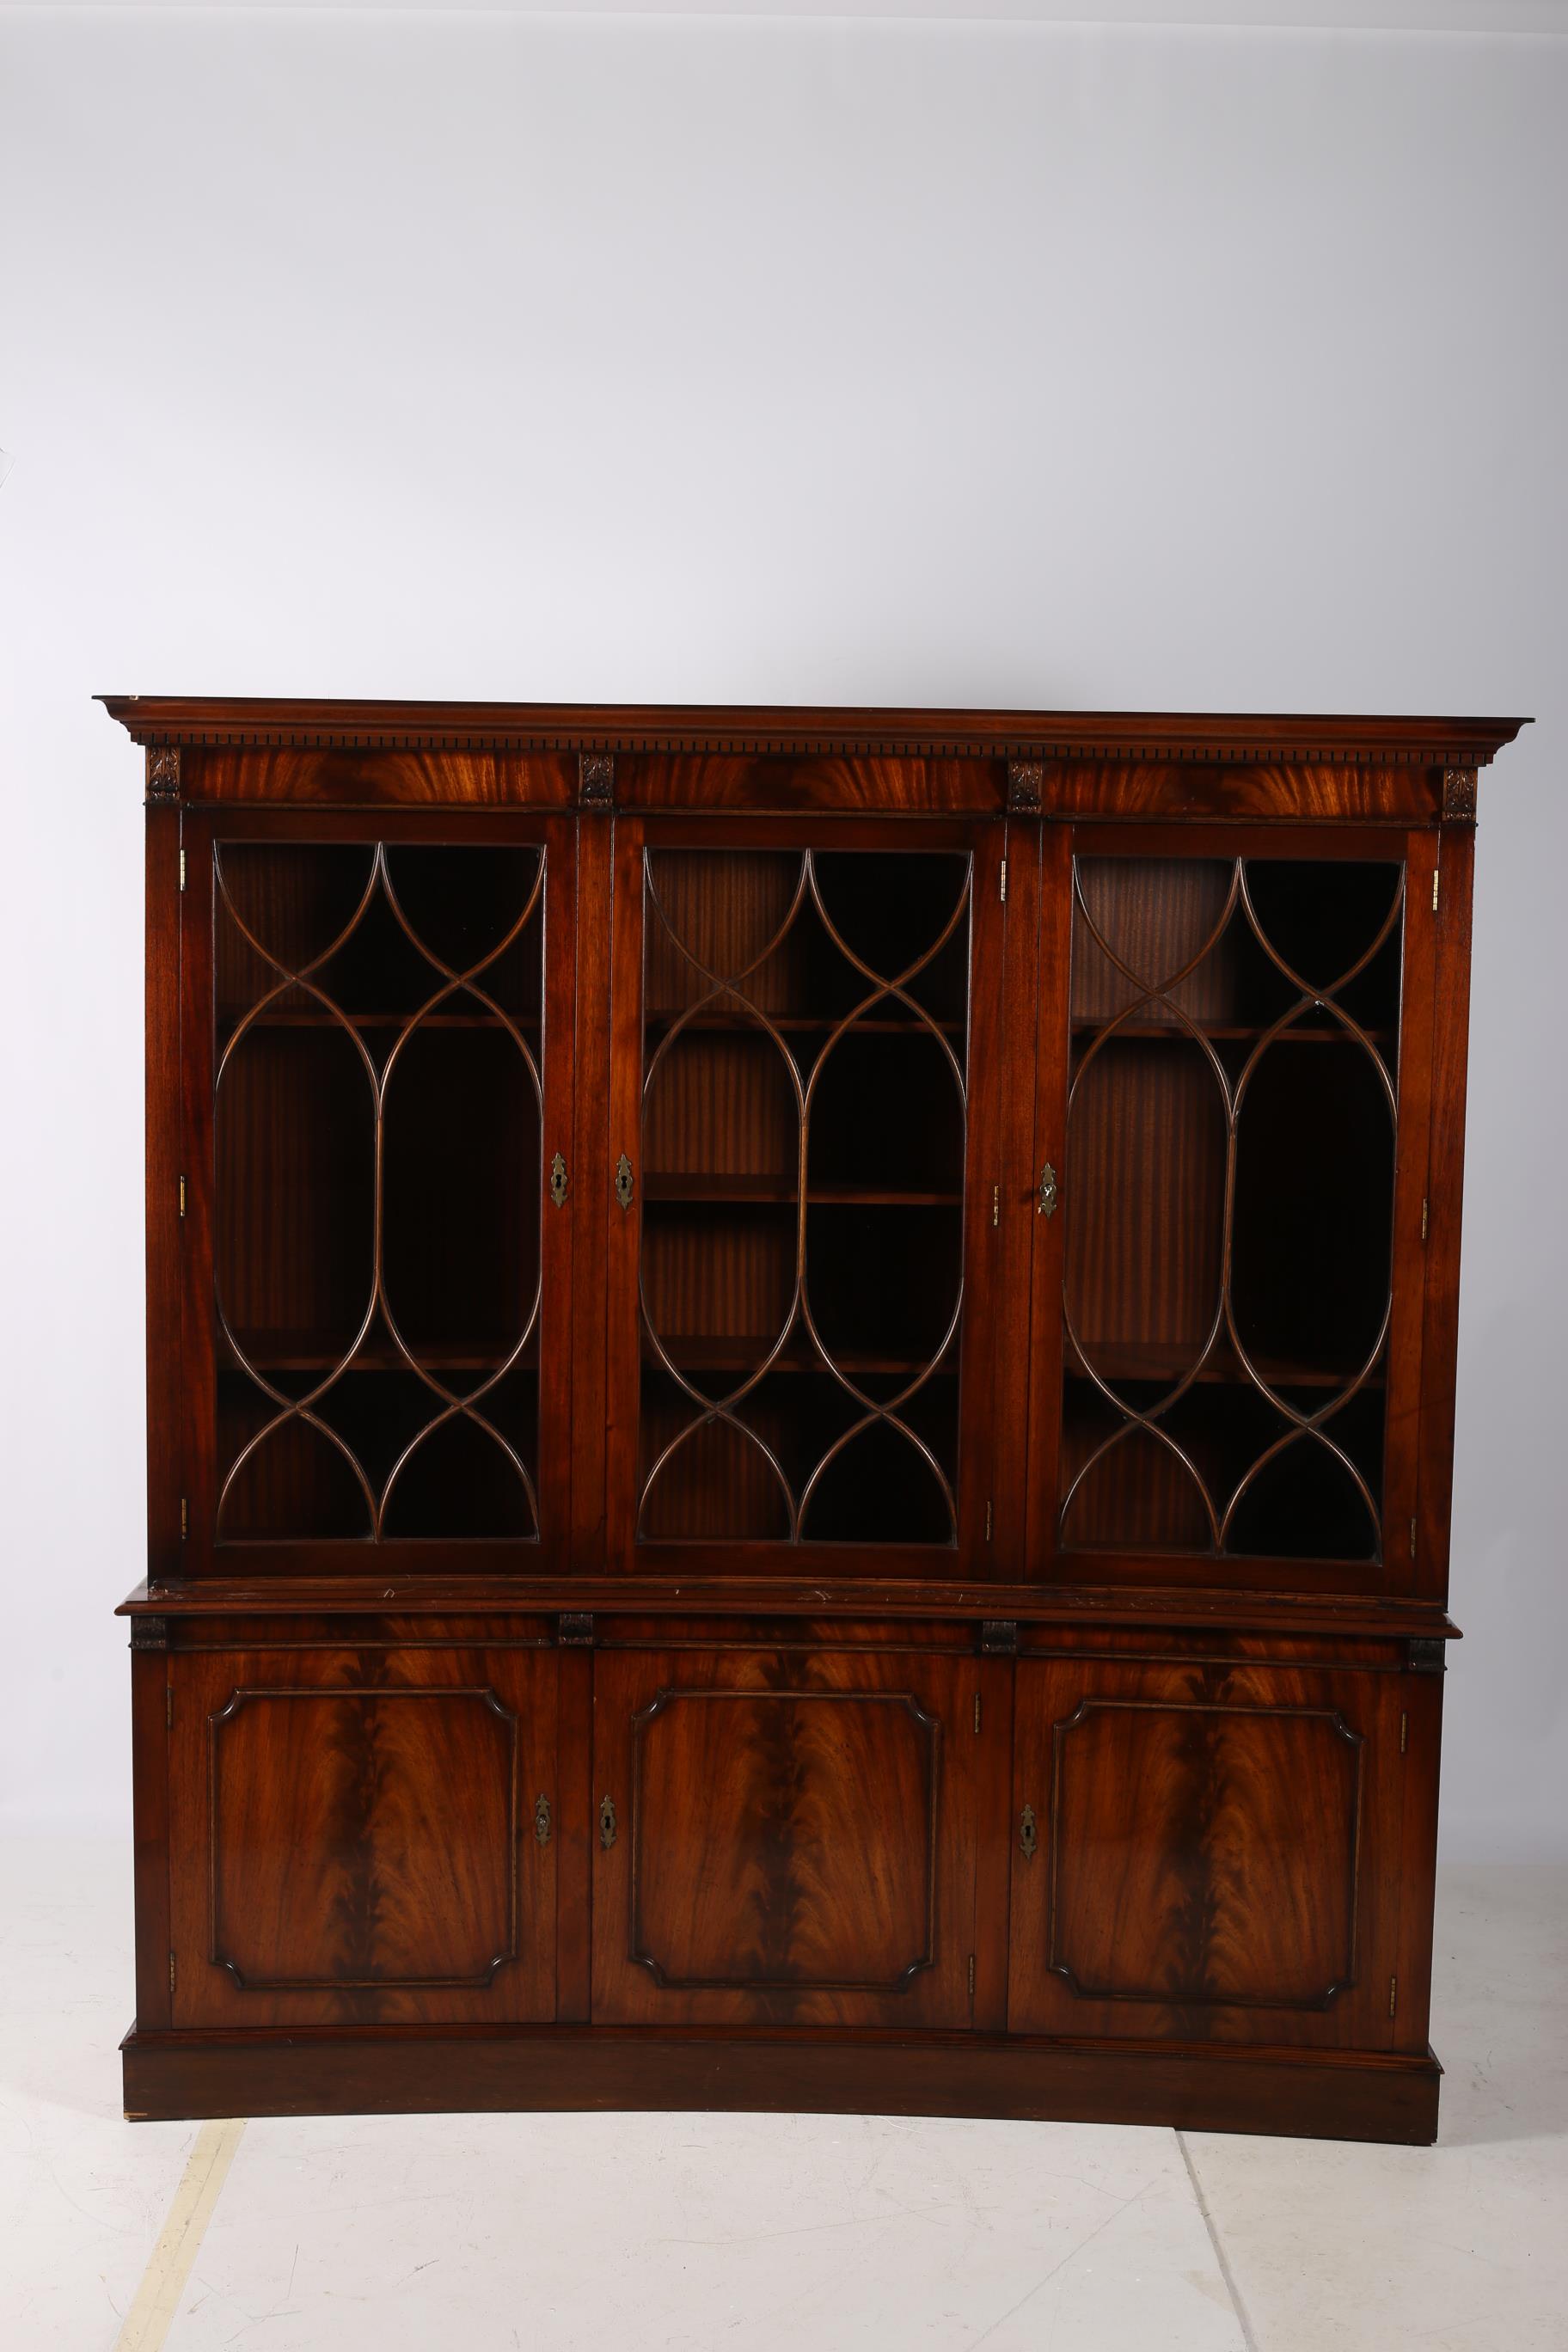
<point x="355" y="1836"/>
<point x="1206" y="1851"/>
<point x="1217" y="1859"/>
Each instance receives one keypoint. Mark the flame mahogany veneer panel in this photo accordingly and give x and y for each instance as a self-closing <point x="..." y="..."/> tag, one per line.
<point x="794" y="1838"/>
<point x="354" y="1836"/>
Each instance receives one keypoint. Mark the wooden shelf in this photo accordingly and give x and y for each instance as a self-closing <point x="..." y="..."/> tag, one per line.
<point x="740" y="1353"/>
<point x="318" y="1017"/>
<point x="1223" y="1032"/>
<point x="312" y="1352"/>
<point x="757" y="1024"/>
<point x="1121" y="1359"/>
<point x="781" y="1192"/>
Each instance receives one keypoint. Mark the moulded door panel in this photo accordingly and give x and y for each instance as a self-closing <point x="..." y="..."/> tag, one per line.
<point x="362" y="1836"/>
<point x="785" y="1838"/>
<point x="1205" y="1852"/>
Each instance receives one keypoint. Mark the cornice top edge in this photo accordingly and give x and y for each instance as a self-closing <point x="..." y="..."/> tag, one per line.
<point x="742" y="732"/>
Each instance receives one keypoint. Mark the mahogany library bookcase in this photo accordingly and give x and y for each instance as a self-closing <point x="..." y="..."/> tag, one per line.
<point x="800" y="1386"/>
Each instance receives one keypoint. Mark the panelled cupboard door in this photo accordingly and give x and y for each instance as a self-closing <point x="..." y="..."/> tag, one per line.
<point x="1231" y="1137"/>
<point x="1206" y="1852"/>
<point x="785" y="1838"/>
<point x="362" y="1836"/>
<point x="378" y="1199"/>
<point x="802" y="1204"/>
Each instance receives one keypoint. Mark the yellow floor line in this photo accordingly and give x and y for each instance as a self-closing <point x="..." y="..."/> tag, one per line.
<point x="151" y="2316"/>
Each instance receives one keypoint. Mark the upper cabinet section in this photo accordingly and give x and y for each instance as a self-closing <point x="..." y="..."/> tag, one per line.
<point x="1001" y="1149"/>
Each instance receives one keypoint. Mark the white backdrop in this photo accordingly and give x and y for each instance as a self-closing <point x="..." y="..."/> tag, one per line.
<point x="632" y="358"/>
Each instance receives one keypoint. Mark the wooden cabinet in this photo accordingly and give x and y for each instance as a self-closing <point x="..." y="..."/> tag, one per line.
<point x="800" y="1399"/>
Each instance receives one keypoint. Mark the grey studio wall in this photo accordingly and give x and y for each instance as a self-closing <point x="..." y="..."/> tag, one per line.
<point x="608" y="356"/>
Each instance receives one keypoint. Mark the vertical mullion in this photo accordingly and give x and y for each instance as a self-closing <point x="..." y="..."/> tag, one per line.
<point x="558" y="1366"/>
<point x="198" y="1482"/>
<point x="982" y="1349"/>
<point x="1011" y="1337"/>
<point x="589" y="1194"/>
<point x="621" y="934"/>
<point x="1052" y="1057"/>
<point x="1453" y="856"/>
<point x="1412" y="1179"/>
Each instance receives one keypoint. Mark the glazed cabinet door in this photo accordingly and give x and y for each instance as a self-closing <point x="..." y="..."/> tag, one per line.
<point x="378" y="1198"/>
<point x="1230" y="1178"/>
<point x="1214" y="1852"/>
<point x="362" y="1836"/>
<point x="802" y="1161"/>
<point x="784" y="1837"/>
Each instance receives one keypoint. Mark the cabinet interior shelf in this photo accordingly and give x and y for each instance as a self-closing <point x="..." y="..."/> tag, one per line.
<point x="782" y="1190"/>
<point x="745" y="1024"/>
<point x="1223" y="1032"/>
<point x="312" y="1352"/>
<point x="1167" y="1362"/>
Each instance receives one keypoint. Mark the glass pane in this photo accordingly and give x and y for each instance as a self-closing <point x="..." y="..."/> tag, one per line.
<point x="378" y="1129"/>
<point x="1228" y="1207"/>
<point x="805" y="1107"/>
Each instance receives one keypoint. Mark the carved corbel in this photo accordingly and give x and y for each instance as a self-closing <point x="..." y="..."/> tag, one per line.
<point x="1025" y="787"/>
<point x="163" y="771"/>
<point x="1459" y="795"/>
<point x="595" y="778"/>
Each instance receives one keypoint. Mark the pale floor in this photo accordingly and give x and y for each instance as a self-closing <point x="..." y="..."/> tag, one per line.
<point x="482" y="2234"/>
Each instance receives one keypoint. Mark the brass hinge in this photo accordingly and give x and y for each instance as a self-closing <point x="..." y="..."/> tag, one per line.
<point x="972" y="1976"/>
<point x="1004" y="881"/>
<point x="170" y="1972"/>
<point x="995" y="1204"/>
<point x="1393" y="1993"/>
<point x="185" y="1520"/>
<point x="977" y="1714"/>
<point x="1437" y="878"/>
<point x="182" y="869"/>
<point x="987" y="1518"/>
<point x="182" y="1196"/>
<point x="1412" y="1534"/>
<point x="1423" y="1220"/>
<point x="1403" y="1732"/>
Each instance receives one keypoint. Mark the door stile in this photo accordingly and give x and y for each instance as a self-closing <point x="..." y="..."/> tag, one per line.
<point x="588" y="1189"/>
<point x="198" y="1481"/>
<point x="1455" y="861"/>
<point x="623" y="1221"/>
<point x="1015" y="1124"/>
<point x="981" y="1370"/>
<point x="1412" y="1185"/>
<point x="164" y="1167"/>
<point x="1052" y="1051"/>
<point x="557" y="1322"/>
